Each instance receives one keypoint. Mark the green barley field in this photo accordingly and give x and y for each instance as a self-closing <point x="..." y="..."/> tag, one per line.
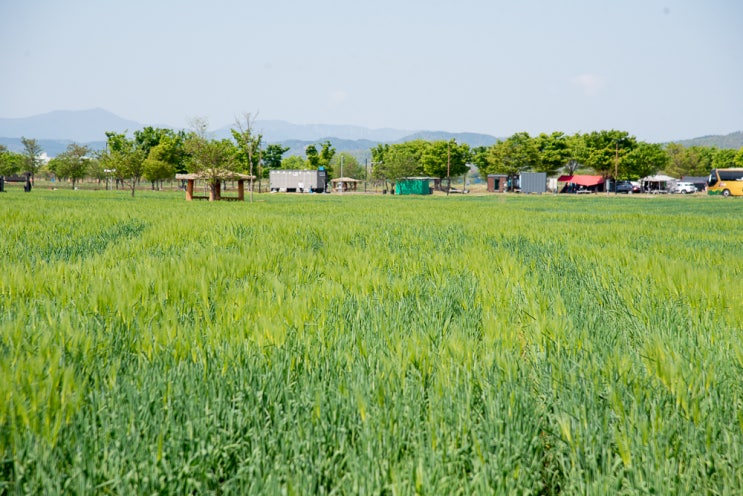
<point x="378" y="345"/>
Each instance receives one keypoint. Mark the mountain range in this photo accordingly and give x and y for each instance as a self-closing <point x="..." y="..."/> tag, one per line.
<point x="55" y="130"/>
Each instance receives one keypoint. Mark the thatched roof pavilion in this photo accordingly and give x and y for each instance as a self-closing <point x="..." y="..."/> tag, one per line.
<point x="215" y="194"/>
<point x="345" y="184"/>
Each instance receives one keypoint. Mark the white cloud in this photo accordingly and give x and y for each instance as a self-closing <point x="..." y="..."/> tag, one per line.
<point x="590" y="84"/>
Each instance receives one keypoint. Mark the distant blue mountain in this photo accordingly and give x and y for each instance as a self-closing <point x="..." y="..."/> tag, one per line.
<point x="73" y="125"/>
<point x="51" y="147"/>
<point x="472" y="139"/>
<point x="275" y="131"/>
<point x="55" y="130"/>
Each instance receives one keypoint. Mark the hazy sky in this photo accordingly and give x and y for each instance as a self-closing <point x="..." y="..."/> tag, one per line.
<point x="660" y="70"/>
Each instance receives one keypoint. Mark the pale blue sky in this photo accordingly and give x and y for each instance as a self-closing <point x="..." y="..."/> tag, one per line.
<point x="660" y="70"/>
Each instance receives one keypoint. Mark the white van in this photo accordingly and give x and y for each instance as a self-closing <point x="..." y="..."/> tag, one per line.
<point x="684" y="188"/>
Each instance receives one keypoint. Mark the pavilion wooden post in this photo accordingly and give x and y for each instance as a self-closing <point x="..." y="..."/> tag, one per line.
<point x="240" y="190"/>
<point x="189" y="190"/>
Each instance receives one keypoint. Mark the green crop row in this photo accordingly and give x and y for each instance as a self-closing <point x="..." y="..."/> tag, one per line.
<point x="377" y="345"/>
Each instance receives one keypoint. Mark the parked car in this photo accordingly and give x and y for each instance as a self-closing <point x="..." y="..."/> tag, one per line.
<point x="684" y="188"/>
<point x="626" y="187"/>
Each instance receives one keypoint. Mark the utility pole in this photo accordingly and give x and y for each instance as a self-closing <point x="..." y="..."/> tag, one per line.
<point x="616" y="164"/>
<point x="448" y="167"/>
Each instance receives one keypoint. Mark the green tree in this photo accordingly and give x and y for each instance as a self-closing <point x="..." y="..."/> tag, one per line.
<point x="72" y="163"/>
<point x="605" y="150"/>
<point x="699" y="160"/>
<point x="321" y="158"/>
<point x="554" y="152"/>
<point x="348" y="166"/>
<point x="10" y="163"/>
<point x="677" y="160"/>
<point x="516" y="154"/>
<point x="96" y="168"/>
<point x="294" y="162"/>
<point x="173" y="150"/>
<point x="739" y="158"/>
<point x="393" y="162"/>
<point x="210" y="159"/>
<point x="32" y="154"/>
<point x="378" y="152"/>
<point x="399" y="161"/>
<point x="272" y="158"/>
<point x="577" y="154"/>
<point x="171" y="143"/>
<point x="124" y="158"/>
<point x="724" y="158"/>
<point x="248" y="151"/>
<point x="479" y="157"/>
<point x="691" y="161"/>
<point x="445" y="159"/>
<point x="645" y="159"/>
<point x="156" y="167"/>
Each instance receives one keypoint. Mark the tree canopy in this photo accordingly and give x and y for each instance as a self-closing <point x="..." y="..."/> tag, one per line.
<point x="210" y="158"/>
<point x="10" y="162"/>
<point x="32" y="156"/>
<point x="272" y="157"/>
<point x="72" y="164"/>
<point x="320" y="158"/>
<point x="123" y="158"/>
<point x="445" y="159"/>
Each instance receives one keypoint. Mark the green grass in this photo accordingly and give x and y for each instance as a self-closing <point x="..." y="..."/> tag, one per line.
<point x="331" y="344"/>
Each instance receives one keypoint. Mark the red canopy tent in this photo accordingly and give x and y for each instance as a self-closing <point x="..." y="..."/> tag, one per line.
<point x="581" y="180"/>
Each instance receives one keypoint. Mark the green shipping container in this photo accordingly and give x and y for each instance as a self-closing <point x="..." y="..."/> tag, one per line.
<point x="412" y="187"/>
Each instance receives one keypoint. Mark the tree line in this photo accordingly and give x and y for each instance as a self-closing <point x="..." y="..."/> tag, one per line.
<point x="611" y="154"/>
<point x="157" y="154"/>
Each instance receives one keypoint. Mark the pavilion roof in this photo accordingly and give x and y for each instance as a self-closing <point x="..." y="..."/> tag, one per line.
<point x="222" y="174"/>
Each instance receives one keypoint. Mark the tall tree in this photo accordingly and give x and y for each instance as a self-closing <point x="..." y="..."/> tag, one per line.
<point x="554" y="152"/>
<point x="479" y="157"/>
<point x="32" y="154"/>
<point x="10" y="162"/>
<point x="724" y="158"/>
<point x="211" y="159"/>
<point x="645" y="159"/>
<point x="348" y="166"/>
<point x="577" y="154"/>
<point x="294" y="162"/>
<point x="393" y="162"/>
<point x="399" y="162"/>
<point x="248" y="148"/>
<point x="172" y="143"/>
<point x="378" y="152"/>
<point x="124" y="158"/>
<point x="272" y="157"/>
<point x="606" y="150"/>
<point x="321" y="158"/>
<point x="738" y="161"/>
<point x="677" y="160"/>
<point x="72" y="163"/>
<point x="515" y="154"/>
<point x="156" y="167"/>
<point x="445" y="159"/>
<point x="691" y="161"/>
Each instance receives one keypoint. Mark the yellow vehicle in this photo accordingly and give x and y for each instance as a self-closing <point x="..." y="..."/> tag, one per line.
<point x="725" y="182"/>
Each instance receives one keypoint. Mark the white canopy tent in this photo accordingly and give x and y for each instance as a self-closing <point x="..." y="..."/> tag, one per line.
<point x="659" y="183"/>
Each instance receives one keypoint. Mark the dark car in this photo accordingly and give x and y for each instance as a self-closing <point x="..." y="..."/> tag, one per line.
<point x="626" y="187"/>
